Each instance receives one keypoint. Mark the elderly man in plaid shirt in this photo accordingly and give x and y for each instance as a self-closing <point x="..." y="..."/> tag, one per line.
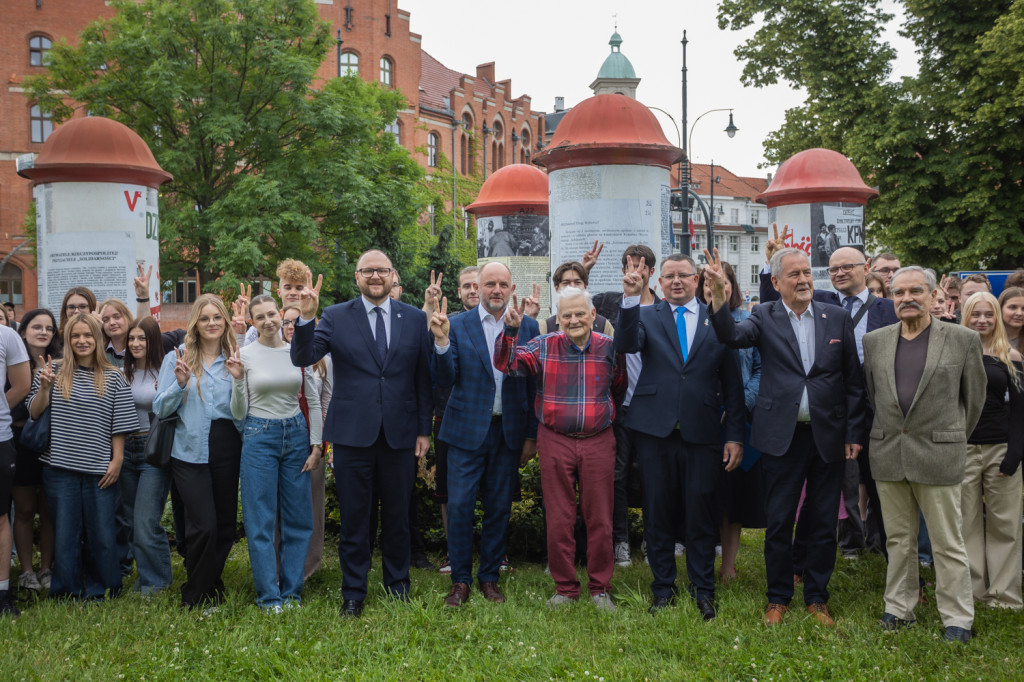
<point x="580" y="380"/>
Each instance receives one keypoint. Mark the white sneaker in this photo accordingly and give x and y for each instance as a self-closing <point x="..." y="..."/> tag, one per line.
<point x="680" y="549"/>
<point x="622" y="554"/>
<point x="274" y="610"/>
<point x="210" y="610"/>
<point x="45" y="576"/>
<point x="603" y="602"/>
<point x="29" y="581"/>
<point x="559" y="600"/>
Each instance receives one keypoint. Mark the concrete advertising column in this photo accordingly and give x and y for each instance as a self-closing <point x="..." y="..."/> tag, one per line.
<point x="608" y="172"/>
<point x="819" y="194"/>
<point x="512" y="227"/>
<point x="95" y="186"/>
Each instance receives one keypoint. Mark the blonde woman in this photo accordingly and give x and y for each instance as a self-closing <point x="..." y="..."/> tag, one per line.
<point x="91" y="410"/>
<point x="194" y="383"/>
<point x="991" y="491"/>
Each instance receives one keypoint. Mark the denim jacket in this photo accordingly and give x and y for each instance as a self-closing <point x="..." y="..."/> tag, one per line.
<point x="192" y="435"/>
<point x="750" y="365"/>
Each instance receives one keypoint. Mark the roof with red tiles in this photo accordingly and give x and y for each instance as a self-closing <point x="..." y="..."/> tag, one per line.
<point x="437" y="81"/>
<point x="731" y="185"/>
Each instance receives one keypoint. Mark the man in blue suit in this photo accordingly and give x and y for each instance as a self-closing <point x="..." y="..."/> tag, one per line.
<point x="808" y="418"/>
<point x="488" y="425"/>
<point x="379" y="416"/>
<point x="675" y="417"/>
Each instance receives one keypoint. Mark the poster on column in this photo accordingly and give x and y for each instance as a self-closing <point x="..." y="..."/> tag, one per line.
<point x="97" y="260"/>
<point x="819" y="229"/>
<point x="520" y="241"/>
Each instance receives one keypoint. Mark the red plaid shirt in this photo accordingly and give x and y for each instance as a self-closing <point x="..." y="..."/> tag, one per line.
<point x="577" y="390"/>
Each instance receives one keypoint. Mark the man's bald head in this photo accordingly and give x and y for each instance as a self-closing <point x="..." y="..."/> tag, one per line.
<point x="488" y="269"/>
<point x="848" y="269"/>
<point x="373" y="254"/>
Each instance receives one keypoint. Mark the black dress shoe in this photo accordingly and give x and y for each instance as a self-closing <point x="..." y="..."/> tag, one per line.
<point x="706" y="608"/>
<point x="891" y="623"/>
<point x="421" y="562"/>
<point x="352" y="608"/>
<point x="659" y="603"/>
<point x="958" y="635"/>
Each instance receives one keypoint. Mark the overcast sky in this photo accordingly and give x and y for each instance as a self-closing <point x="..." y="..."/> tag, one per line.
<point x="555" y="48"/>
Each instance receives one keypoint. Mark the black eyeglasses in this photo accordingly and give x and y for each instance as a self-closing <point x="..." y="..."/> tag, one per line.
<point x="846" y="267"/>
<point x="71" y="307"/>
<point x="369" y="272"/>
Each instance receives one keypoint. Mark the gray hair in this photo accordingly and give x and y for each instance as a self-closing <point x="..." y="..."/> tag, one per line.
<point x="779" y="255"/>
<point x="929" y="276"/>
<point x="566" y="293"/>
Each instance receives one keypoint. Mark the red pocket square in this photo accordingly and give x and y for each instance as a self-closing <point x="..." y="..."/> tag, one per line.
<point x="831" y="341"/>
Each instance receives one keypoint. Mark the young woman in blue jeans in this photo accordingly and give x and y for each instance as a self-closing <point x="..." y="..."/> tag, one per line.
<point x="82" y="465"/>
<point x="144" y="488"/>
<point x="278" y="453"/>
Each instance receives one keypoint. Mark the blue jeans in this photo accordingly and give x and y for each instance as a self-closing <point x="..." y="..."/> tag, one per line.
<point x="144" y="491"/>
<point x="274" y="487"/>
<point x="85" y="534"/>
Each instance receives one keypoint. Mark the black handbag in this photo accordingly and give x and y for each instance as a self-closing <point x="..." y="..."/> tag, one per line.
<point x="160" y="441"/>
<point x="35" y="435"/>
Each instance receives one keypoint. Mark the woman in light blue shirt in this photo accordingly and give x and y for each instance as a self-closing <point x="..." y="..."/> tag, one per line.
<point x="194" y="384"/>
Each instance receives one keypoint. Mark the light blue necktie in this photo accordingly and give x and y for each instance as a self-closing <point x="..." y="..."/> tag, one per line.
<point x="681" y="329"/>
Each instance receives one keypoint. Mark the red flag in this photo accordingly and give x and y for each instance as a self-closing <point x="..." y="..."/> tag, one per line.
<point x="693" y="240"/>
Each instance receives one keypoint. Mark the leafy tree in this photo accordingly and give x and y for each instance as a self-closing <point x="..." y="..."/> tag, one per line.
<point x="944" y="147"/>
<point x="265" y="164"/>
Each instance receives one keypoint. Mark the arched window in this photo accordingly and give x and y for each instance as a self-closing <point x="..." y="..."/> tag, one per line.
<point x="10" y="284"/>
<point x="387" y="72"/>
<point x="42" y="125"/>
<point x="433" y="142"/>
<point x="396" y="130"/>
<point x="498" y="146"/>
<point x="467" y="145"/>
<point x="348" y="63"/>
<point x="524" y="151"/>
<point x="38" y="46"/>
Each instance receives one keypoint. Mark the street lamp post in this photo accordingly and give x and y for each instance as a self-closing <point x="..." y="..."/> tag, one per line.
<point x="730" y="130"/>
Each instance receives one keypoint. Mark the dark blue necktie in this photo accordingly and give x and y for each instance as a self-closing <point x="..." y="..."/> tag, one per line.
<point x="848" y="304"/>
<point x="681" y="329"/>
<point x="381" y="334"/>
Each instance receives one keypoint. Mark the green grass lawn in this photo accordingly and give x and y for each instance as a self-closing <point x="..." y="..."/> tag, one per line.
<point x="133" y="638"/>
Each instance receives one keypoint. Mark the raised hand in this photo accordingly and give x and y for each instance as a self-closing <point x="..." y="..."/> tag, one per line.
<point x="439" y="324"/>
<point x="309" y="299"/>
<point x="632" y="280"/>
<point x="238" y="316"/>
<point x="532" y="302"/>
<point x="433" y="292"/>
<point x="589" y="258"/>
<point x="949" y="309"/>
<point x="777" y="242"/>
<point x="244" y="296"/>
<point x="514" y="313"/>
<point x="714" y="274"/>
<point x="234" y="364"/>
<point x="182" y="373"/>
<point x="46" y="374"/>
<point x="141" y="283"/>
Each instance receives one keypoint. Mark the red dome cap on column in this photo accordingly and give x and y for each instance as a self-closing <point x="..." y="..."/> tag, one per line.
<point x="96" y="149"/>
<point x="816" y="175"/>
<point x="512" y="189"/>
<point x="608" y="130"/>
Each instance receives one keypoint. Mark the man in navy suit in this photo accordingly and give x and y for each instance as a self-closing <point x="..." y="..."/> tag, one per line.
<point x="488" y="426"/>
<point x="379" y="416"/>
<point x="808" y="419"/>
<point x="675" y="418"/>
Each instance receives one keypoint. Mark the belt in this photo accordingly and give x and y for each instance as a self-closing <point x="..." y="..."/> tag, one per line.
<point x="584" y="436"/>
<point x="803" y="425"/>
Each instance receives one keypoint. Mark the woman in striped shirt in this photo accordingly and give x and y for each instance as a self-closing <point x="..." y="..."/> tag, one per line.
<point x="91" y="410"/>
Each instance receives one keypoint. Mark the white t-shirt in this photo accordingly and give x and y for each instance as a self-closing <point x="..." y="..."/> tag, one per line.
<point x="12" y="352"/>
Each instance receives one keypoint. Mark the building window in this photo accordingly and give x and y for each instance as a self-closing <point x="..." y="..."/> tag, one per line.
<point x="386" y="72"/>
<point x="348" y="64"/>
<point x="186" y="290"/>
<point x="755" y="244"/>
<point x="755" y="217"/>
<point x="396" y="130"/>
<point x="433" y="220"/>
<point x="734" y="216"/>
<point x="468" y="148"/>
<point x="734" y="243"/>
<point x="718" y="242"/>
<point x="755" y="274"/>
<point x="524" y="151"/>
<point x="38" y="46"/>
<point x="433" y="142"/>
<point x="465" y="223"/>
<point x="10" y="284"/>
<point x="42" y="125"/>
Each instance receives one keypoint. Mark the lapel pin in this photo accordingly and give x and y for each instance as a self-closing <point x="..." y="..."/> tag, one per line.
<point x="400" y="314"/>
<point x="705" y="321"/>
<point x="822" y="315"/>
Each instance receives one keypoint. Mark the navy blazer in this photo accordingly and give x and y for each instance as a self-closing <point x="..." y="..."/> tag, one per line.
<point x="882" y="312"/>
<point x="669" y="392"/>
<point x="835" y="384"/>
<point x="466" y="368"/>
<point x="370" y="394"/>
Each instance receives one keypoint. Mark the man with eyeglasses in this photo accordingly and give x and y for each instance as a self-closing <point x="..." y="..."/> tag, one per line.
<point x="885" y="264"/>
<point x="378" y="419"/>
<point x="571" y="274"/>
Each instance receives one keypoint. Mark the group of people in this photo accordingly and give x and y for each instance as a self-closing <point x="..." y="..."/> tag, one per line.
<point x="830" y="419"/>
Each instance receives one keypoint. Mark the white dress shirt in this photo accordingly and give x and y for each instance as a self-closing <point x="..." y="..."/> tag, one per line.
<point x="492" y="329"/>
<point x="386" y="307"/>
<point x="803" y="328"/>
<point x="691" y="310"/>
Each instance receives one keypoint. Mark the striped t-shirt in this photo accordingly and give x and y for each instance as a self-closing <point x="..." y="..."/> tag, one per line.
<point x="81" y="428"/>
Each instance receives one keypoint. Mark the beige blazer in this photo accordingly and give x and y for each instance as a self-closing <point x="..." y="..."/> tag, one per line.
<point x="929" y="445"/>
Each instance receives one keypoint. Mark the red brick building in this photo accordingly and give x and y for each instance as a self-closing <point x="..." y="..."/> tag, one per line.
<point x="490" y="128"/>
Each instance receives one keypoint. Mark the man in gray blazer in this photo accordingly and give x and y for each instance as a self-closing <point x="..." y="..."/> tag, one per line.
<point x="926" y="383"/>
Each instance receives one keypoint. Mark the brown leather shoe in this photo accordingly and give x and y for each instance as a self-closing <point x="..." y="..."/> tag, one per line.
<point x="819" y="612"/>
<point x="773" y="614"/>
<point x="458" y="595"/>
<point x="492" y="593"/>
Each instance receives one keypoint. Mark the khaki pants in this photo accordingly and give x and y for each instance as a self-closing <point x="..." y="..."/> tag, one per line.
<point x="940" y="505"/>
<point x="991" y="507"/>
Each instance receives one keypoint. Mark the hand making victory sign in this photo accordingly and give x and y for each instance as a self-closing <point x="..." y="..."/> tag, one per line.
<point x="234" y="364"/>
<point x="514" y="313"/>
<point x="589" y="259"/>
<point x="714" y="274"/>
<point x="632" y="281"/>
<point x="532" y="302"/>
<point x="439" y="324"/>
<point x="181" y="371"/>
<point x="776" y="243"/>
<point x="433" y="292"/>
<point x="309" y="299"/>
